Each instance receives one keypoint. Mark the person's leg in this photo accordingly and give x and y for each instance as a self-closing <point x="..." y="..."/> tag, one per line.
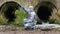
<point x="29" y="24"/>
<point x="32" y="24"/>
<point x="26" y="24"/>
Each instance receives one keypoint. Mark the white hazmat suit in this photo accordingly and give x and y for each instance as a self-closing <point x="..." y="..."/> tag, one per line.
<point x="31" y="20"/>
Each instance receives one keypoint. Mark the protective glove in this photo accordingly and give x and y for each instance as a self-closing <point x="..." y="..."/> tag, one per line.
<point x="22" y="7"/>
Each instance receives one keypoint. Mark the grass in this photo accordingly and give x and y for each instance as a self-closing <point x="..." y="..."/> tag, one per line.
<point x="18" y="21"/>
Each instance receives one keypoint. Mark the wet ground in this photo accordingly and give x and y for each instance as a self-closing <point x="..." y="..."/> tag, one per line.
<point x="36" y="31"/>
<point x="16" y="30"/>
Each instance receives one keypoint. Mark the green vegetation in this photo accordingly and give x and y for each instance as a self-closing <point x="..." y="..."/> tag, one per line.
<point x="56" y="21"/>
<point x="18" y="21"/>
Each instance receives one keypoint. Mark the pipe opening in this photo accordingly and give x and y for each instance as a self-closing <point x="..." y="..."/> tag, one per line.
<point x="8" y="10"/>
<point x="45" y="10"/>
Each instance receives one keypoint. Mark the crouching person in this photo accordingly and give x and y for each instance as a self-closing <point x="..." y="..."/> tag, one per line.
<point x="30" y="22"/>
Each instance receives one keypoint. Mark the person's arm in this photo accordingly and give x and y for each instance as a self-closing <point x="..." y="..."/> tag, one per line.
<point x="23" y="8"/>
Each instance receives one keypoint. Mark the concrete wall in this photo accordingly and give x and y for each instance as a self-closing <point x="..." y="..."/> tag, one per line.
<point x="26" y="3"/>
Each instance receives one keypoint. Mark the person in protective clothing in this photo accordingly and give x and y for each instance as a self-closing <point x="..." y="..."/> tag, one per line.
<point x="30" y="22"/>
